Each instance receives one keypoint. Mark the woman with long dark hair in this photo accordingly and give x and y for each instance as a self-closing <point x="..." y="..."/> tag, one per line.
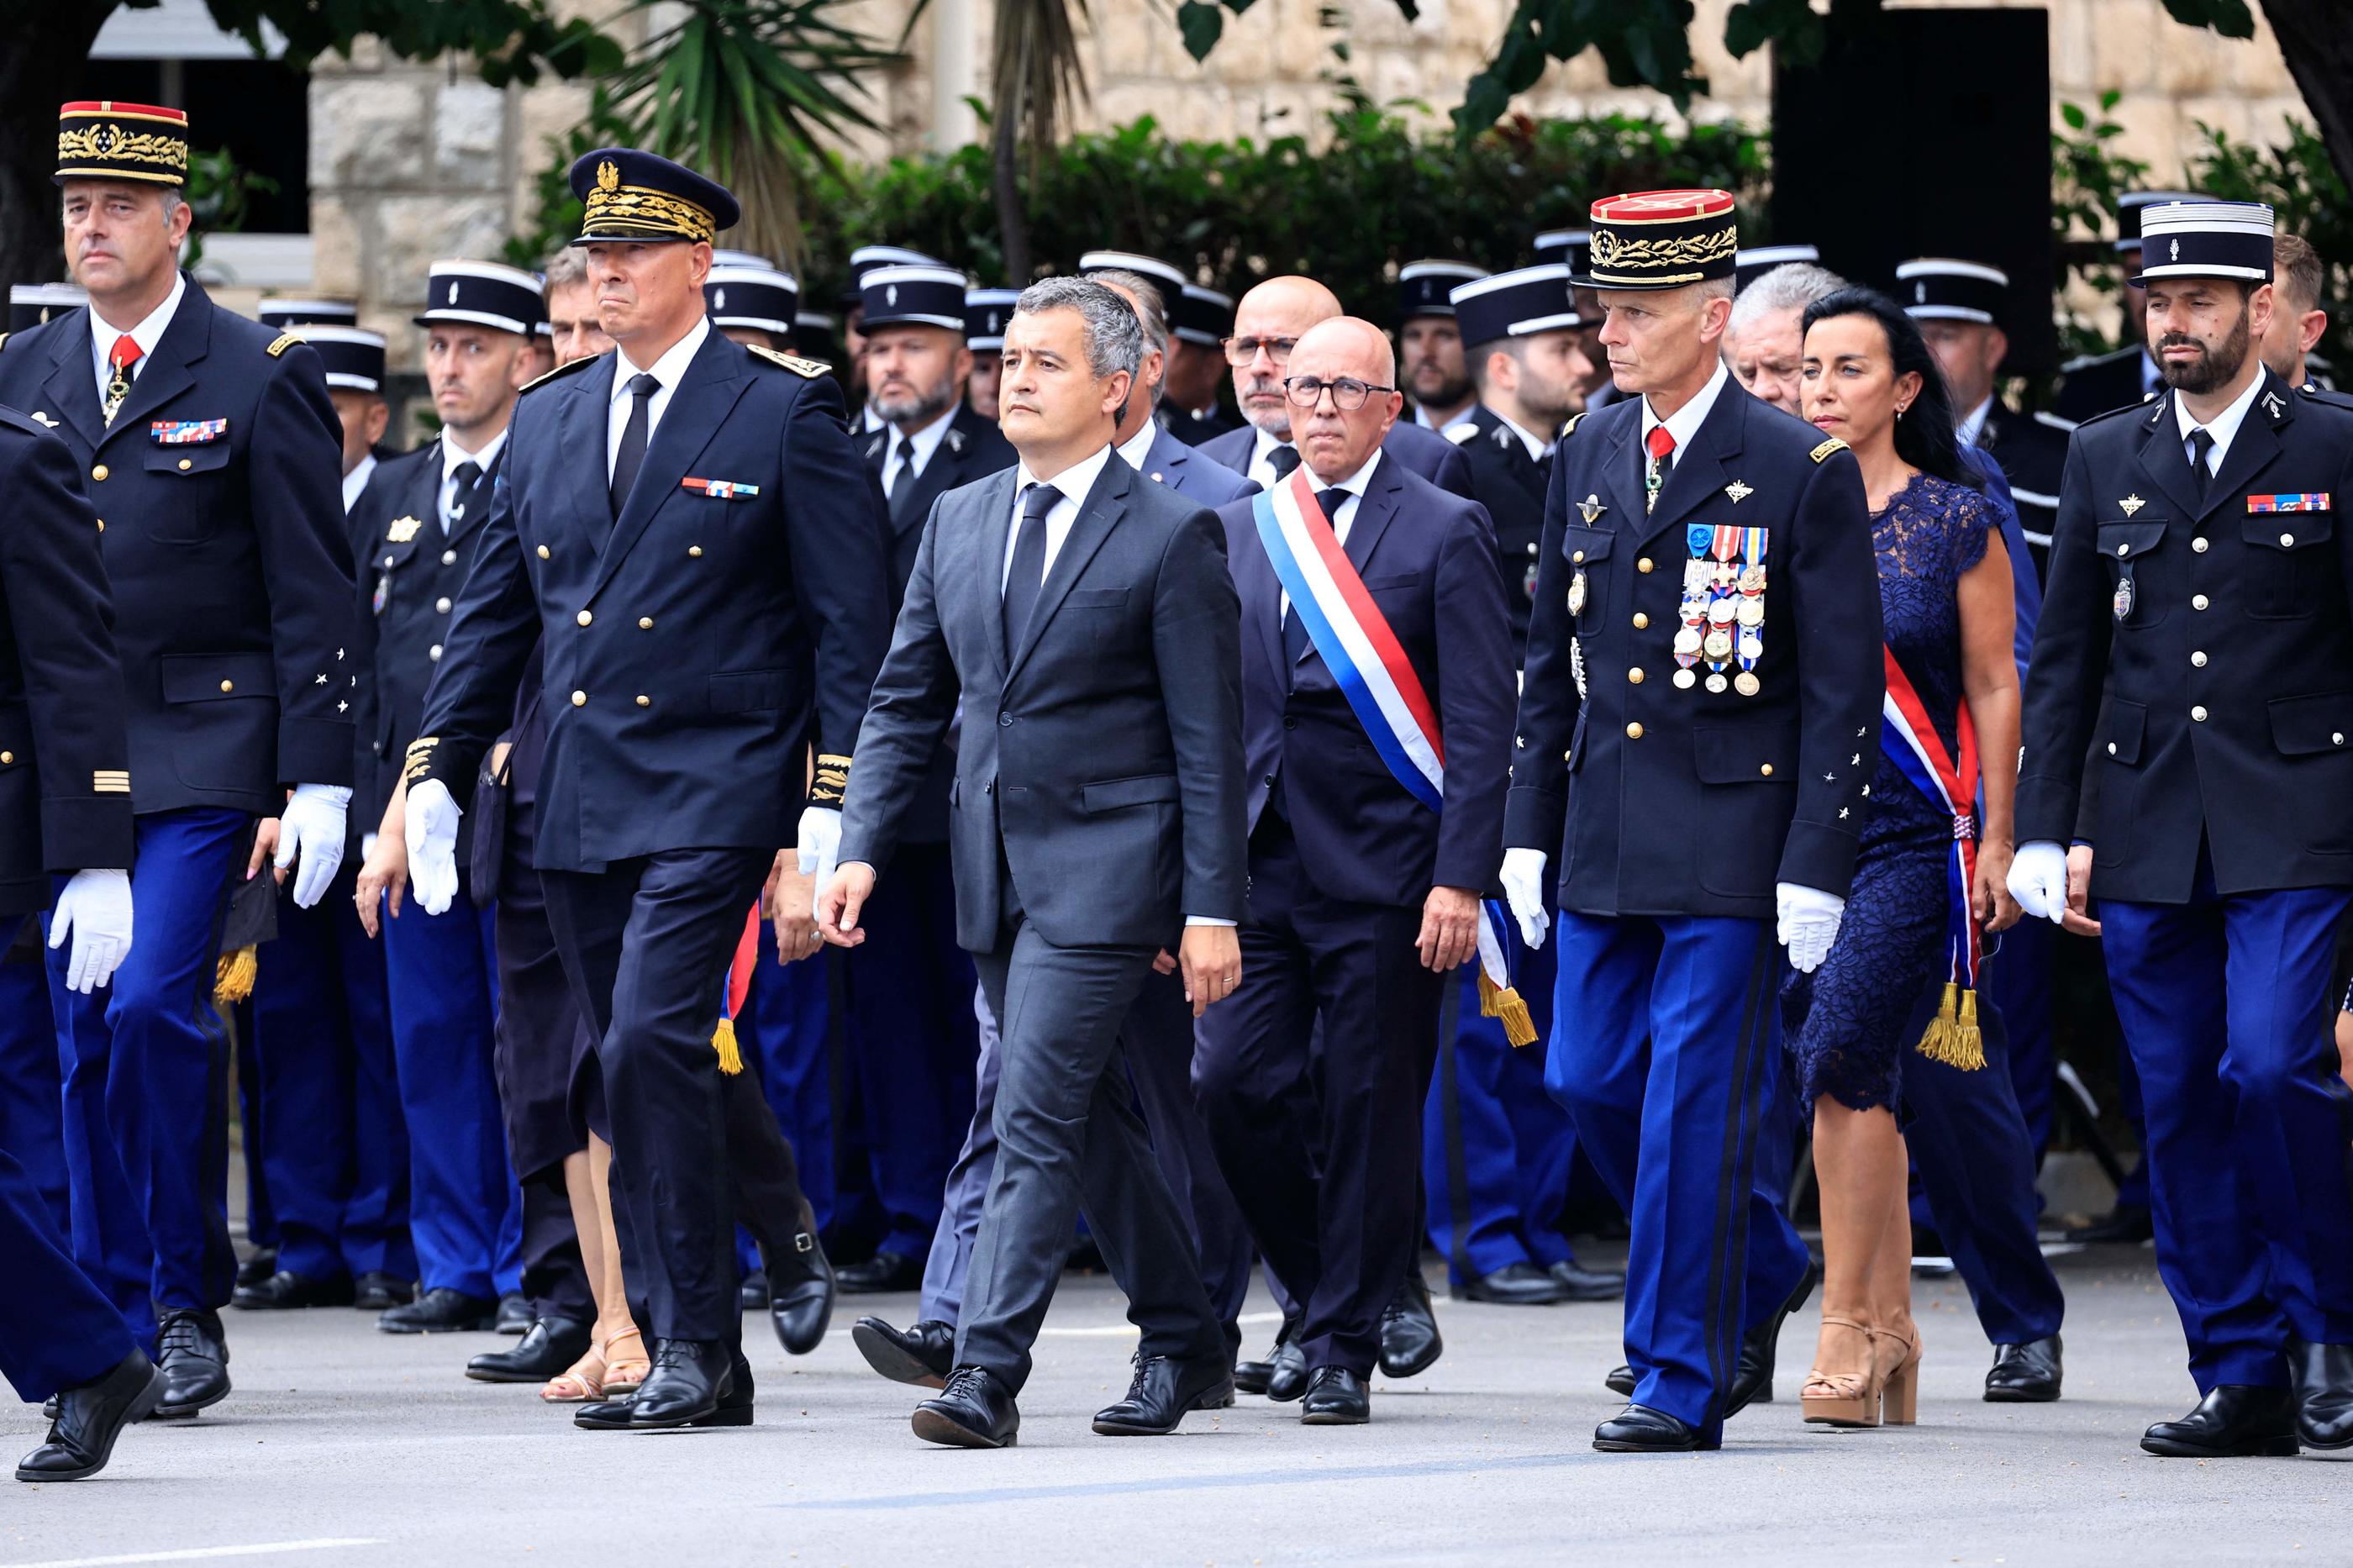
<point x="1929" y="880"/>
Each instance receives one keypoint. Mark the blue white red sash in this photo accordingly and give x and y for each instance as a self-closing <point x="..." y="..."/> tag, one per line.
<point x="732" y="989"/>
<point x="1910" y="741"/>
<point x="1374" y="674"/>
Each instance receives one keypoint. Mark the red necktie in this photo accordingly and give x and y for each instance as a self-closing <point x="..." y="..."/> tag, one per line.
<point x="1662" y="442"/>
<point x="124" y="355"/>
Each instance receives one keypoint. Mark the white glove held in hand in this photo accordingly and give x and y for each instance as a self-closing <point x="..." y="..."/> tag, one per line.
<point x="820" y="848"/>
<point x="1809" y="923"/>
<point x="432" y="831"/>
<point x="95" y="910"/>
<point x="1523" y="880"/>
<point x="311" y="827"/>
<point x="2038" y="878"/>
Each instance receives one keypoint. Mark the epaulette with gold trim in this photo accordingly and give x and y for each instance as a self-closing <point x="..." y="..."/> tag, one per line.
<point x="566" y="368"/>
<point x="4" y="340"/>
<point x="1826" y="448"/>
<point x="285" y="341"/>
<point x="811" y="368"/>
<point x="1570" y="428"/>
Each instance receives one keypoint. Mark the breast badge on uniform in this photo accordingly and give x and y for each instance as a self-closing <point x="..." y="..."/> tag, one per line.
<point x="720" y="489"/>
<point x="1590" y="509"/>
<point x="1722" y="611"/>
<point x="2309" y="500"/>
<point x="1739" y="490"/>
<point x="186" y="432"/>
<point x="2131" y="504"/>
<point x="402" y="530"/>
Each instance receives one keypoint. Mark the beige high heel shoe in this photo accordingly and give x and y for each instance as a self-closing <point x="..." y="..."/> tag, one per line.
<point x="1899" y="1378"/>
<point x="1845" y="1398"/>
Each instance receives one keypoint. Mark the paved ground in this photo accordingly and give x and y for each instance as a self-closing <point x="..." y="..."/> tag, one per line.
<point x="348" y="1449"/>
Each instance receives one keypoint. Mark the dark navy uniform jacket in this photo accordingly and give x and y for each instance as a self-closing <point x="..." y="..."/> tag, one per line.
<point x="2032" y="451"/>
<point x="1511" y="485"/>
<point x="220" y="486"/>
<point x="1430" y="455"/>
<point x="65" y="784"/>
<point x="2229" y="663"/>
<point x="1662" y="801"/>
<point x="1427" y="560"/>
<point x="693" y="647"/>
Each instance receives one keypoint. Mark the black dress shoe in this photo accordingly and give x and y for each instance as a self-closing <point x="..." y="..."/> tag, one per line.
<point x="2121" y="1224"/>
<point x="732" y="1408"/>
<point x="1639" y="1429"/>
<point x="1162" y="1391"/>
<point x="552" y="1345"/>
<point x="440" y="1311"/>
<point x="1336" y="1397"/>
<point x="2324" y="1394"/>
<point x="515" y="1316"/>
<point x="1588" y="1284"/>
<point x="2235" y="1421"/>
<point x="1253" y="1377"/>
<point x="285" y="1289"/>
<point x="1287" y="1380"/>
<point x="1621" y="1382"/>
<point x="259" y="1265"/>
<point x="194" y="1358"/>
<point x="1409" y="1338"/>
<point x="1521" y="1284"/>
<point x="684" y="1388"/>
<point x="2024" y="1373"/>
<point x="1752" y="1381"/>
<point x="922" y="1355"/>
<point x="801" y="1295"/>
<point x="884" y="1271"/>
<point x="752" y="1295"/>
<point x="976" y="1410"/>
<point x="380" y="1292"/>
<point x="90" y="1418"/>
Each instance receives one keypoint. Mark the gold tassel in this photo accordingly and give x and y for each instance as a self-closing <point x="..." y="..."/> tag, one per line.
<point x="233" y="977"/>
<point x="1505" y="1003"/>
<point x="1953" y="1037"/>
<point x="730" y="1060"/>
<point x="1968" y="1040"/>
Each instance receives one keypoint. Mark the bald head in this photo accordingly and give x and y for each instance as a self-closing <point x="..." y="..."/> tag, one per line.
<point x="1346" y="345"/>
<point x="1345" y="359"/>
<point x="1273" y="316"/>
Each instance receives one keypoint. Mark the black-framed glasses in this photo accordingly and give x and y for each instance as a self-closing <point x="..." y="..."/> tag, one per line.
<point x="1348" y="393"/>
<point x="1239" y="352"/>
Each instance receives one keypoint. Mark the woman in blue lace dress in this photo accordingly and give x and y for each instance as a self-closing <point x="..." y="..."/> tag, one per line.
<point x="1946" y="598"/>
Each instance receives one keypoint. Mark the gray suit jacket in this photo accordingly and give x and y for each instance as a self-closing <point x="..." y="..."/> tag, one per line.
<point x="1192" y="473"/>
<point x="1101" y="760"/>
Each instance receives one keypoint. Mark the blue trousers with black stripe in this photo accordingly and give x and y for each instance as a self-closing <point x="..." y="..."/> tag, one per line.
<point x="1666" y="1049"/>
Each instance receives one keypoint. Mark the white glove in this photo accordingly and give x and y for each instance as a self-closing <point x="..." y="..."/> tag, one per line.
<point x="1524" y="880"/>
<point x="311" y="827"/>
<point x="432" y="829"/>
<point x="820" y="848"/>
<point x="1809" y="923"/>
<point x="2038" y="878"/>
<point x="95" y="910"/>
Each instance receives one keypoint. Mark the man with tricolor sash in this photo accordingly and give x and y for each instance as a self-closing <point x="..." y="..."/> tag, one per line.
<point x="1376" y="690"/>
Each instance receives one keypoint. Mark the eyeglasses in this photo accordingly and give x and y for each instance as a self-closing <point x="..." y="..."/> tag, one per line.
<point x="1348" y="393"/>
<point x="1239" y="352"/>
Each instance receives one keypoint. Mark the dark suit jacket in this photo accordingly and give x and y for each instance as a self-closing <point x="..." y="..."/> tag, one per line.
<point x="1434" y="458"/>
<point x="691" y="648"/>
<point x="230" y="567"/>
<point x="1192" y="474"/>
<point x="1427" y="559"/>
<point x="1101" y="759"/>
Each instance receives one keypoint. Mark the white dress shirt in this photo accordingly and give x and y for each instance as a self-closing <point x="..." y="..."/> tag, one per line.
<point x="926" y="441"/>
<point x="1421" y="417"/>
<point x="1684" y="423"/>
<point x="453" y="454"/>
<point x="1262" y="463"/>
<point x="356" y="480"/>
<point x="2223" y="427"/>
<point x="1355" y="485"/>
<point x="1138" y="446"/>
<point x="146" y="334"/>
<point x="1973" y="424"/>
<point x="668" y="369"/>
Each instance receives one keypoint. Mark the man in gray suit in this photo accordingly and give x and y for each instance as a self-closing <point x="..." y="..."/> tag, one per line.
<point x="1098" y="818"/>
<point x="1141" y="438"/>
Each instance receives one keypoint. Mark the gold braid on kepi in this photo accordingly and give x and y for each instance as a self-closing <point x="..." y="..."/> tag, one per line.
<point x="1660" y="239"/>
<point x="106" y="138"/>
<point x="832" y="779"/>
<point x="626" y="194"/>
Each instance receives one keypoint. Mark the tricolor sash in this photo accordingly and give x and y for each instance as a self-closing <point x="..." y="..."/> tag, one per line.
<point x="1365" y="658"/>
<point x="733" y="990"/>
<point x="1910" y="741"/>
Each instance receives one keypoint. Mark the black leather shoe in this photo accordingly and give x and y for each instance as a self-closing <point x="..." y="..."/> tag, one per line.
<point x="1253" y="1377"/>
<point x="1521" y="1284"/>
<point x="2026" y="1374"/>
<point x="1621" y="1382"/>
<point x="91" y="1417"/>
<point x="259" y="1265"/>
<point x="733" y="1408"/>
<point x="922" y="1355"/>
<point x="1639" y="1429"/>
<point x="194" y="1358"/>
<point x="515" y="1316"/>
<point x="1162" y="1391"/>
<point x="1588" y="1284"/>
<point x="440" y="1311"/>
<point x="2236" y="1421"/>
<point x="2130" y="1225"/>
<point x="285" y="1289"/>
<point x="684" y="1388"/>
<point x="1336" y="1397"/>
<point x="752" y="1295"/>
<point x="1289" y="1379"/>
<point x="884" y="1271"/>
<point x="2324" y="1394"/>
<point x="1409" y="1338"/>
<point x="800" y="1294"/>
<point x="1752" y="1382"/>
<point x="976" y="1410"/>
<point x="380" y="1292"/>
<point x="552" y="1345"/>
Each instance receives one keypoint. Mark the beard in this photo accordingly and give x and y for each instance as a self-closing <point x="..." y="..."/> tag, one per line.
<point x="1450" y="392"/>
<point x="917" y="407"/>
<point x="2216" y="366"/>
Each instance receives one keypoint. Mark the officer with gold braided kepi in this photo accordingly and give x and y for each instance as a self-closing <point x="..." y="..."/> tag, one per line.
<point x="1698" y="727"/>
<point x="683" y="535"/>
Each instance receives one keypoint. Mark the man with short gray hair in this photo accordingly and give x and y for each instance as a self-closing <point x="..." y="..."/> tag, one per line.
<point x="1141" y="438"/>
<point x="1763" y="343"/>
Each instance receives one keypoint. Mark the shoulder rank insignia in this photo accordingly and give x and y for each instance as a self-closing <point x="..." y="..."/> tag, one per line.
<point x="284" y="341"/>
<point x="566" y="368"/>
<point x="1570" y="428"/>
<point x="811" y="368"/>
<point x="4" y="340"/>
<point x="1826" y="448"/>
<point x="402" y="530"/>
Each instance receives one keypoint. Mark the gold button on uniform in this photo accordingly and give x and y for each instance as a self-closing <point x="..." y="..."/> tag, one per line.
<point x="98" y="473"/>
<point x="644" y="701"/>
<point x="185" y="464"/>
<point x="583" y="617"/>
<point x="1633" y="732"/>
<point x="1635" y="675"/>
<point x="101" y="525"/>
<point x="228" y="686"/>
<point x="580" y="699"/>
<point x="1643" y="564"/>
<point x="6" y="758"/>
<point x="1577" y="556"/>
<point x="695" y="549"/>
<point x="1641" y="621"/>
<point x="542" y="553"/>
<point x="645" y="623"/>
<point x="1767" y="770"/>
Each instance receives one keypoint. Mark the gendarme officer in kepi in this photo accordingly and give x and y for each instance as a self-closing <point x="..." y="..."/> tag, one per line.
<point x="2198" y="575"/>
<point x="1699" y="723"/>
<point x="211" y="452"/>
<point x="683" y="533"/>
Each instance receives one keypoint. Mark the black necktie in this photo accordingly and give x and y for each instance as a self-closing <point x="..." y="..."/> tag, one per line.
<point x="1026" y="575"/>
<point x="467" y="474"/>
<point x="1294" y="631"/>
<point x="2202" y="446"/>
<point x="632" y="454"/>
<point x="902" y="480"/>
<point x="1283" y="459"/>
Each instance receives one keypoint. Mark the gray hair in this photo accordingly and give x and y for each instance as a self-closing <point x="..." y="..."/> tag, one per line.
<point x="1792" y="286"/>
<point x="565" y="269"/>
<point x="1114" y="336"/>
<point x="1149" y="305"/>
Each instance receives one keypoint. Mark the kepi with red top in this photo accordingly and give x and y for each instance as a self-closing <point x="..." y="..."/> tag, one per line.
<point x="1660" y="239"/>
<point x="106" y="138"/>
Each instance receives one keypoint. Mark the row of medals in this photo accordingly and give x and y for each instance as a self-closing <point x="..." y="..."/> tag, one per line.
<point x="1723" y="617"/>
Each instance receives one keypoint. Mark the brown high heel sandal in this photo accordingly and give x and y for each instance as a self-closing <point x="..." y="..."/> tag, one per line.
<point x="580" y="1383"/>
<point x="1899" y="1378"/>
<point x="1846" y="1398"/>
<point x="623" y="1373"/>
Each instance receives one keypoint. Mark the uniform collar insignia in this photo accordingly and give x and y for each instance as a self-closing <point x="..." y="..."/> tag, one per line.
<point x="955" y="442"/>
<point x="1591" y="508"/>
<point x="2273" y="406"/>
<point x="2131" y="504"/>
<point x="1738" y="490"/>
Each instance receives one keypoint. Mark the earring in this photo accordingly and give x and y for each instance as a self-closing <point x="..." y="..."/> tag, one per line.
<point x="1899" y="413"/>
